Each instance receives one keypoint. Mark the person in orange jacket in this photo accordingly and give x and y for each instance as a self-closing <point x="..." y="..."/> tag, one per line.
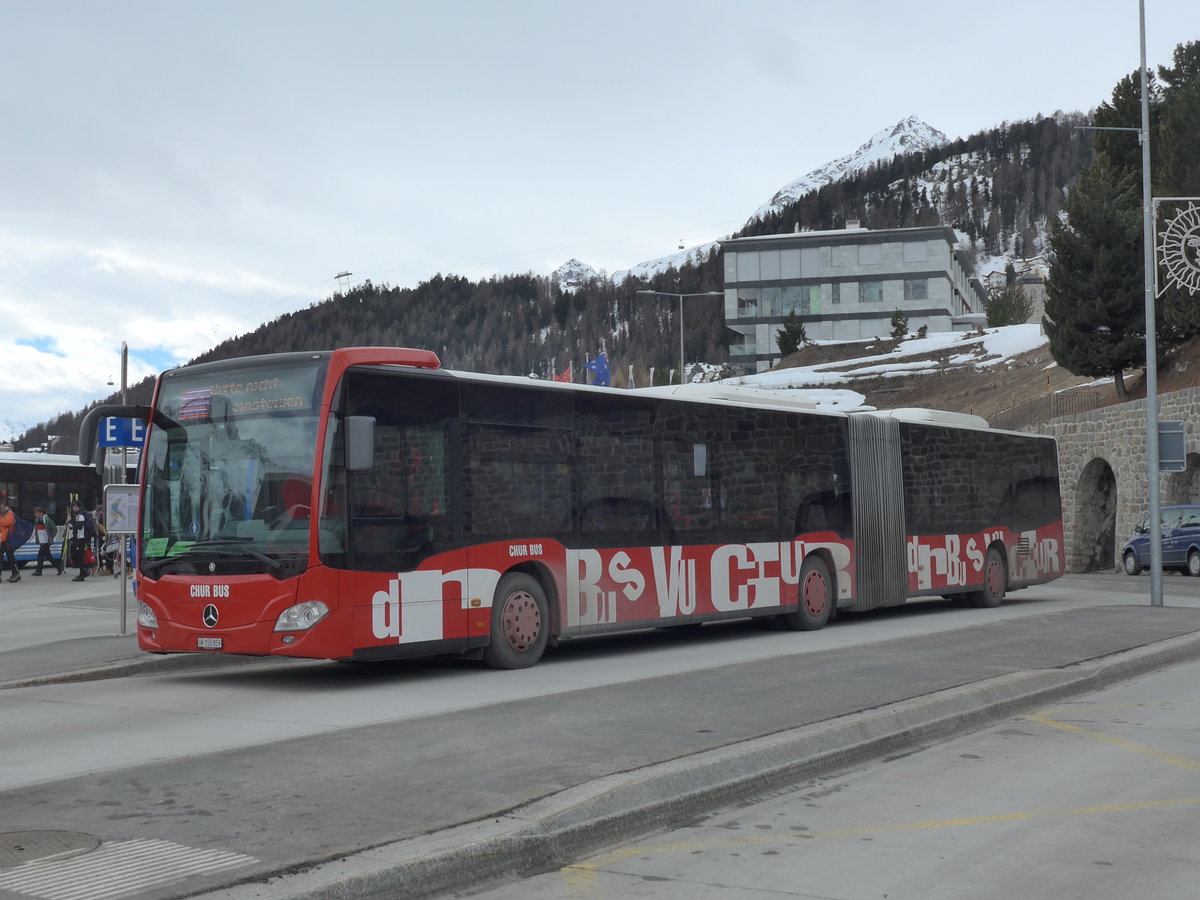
<point x="8" y="522"/>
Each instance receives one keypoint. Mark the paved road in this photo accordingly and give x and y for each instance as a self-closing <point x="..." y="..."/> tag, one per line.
<point x="408" y="803"/>
<point x="1092" y="798"/>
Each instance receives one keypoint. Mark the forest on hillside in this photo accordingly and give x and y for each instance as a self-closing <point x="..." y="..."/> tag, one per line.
<point x="998" y="187"/>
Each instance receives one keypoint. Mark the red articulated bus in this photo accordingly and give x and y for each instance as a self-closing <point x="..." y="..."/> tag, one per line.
<point x="365" y="504"/>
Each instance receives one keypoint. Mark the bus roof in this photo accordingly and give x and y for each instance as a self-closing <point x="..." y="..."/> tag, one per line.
<point x="14" y="458"/>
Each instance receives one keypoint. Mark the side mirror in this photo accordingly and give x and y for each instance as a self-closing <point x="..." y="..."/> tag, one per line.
<point x="360" y="443"/>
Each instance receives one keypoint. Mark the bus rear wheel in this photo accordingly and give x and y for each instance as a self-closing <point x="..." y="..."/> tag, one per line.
<point x="816" y="597"/>
<point x="520" y="623"/>
<point x="994" y="580"/>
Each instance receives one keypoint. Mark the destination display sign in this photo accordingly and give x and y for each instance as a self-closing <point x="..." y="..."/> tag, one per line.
<point x="237" y="394"/>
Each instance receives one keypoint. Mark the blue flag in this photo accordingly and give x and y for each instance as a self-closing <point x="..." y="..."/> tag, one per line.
<point x="599" y="369"/>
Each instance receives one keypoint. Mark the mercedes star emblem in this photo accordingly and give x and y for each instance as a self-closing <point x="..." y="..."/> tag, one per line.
<point x="210" y="616"/>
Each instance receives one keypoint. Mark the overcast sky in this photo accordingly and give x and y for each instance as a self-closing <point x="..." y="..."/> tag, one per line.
<point x="176" y="173"/>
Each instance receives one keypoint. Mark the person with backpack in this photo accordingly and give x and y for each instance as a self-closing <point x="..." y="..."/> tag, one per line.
<point x="44" y="530"/>
<point x="83" y="531"/>
<point x="8" y="524"/>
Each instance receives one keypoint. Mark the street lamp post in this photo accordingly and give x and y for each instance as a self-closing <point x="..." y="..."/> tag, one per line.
<point x="681" y="296"/>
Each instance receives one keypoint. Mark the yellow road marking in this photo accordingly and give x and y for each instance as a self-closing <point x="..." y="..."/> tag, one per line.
<point x="1046" y="718"/>
<point x="582" y="880"/>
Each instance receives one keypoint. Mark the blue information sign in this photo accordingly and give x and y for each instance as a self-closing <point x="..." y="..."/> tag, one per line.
<point x="121" y="433"/>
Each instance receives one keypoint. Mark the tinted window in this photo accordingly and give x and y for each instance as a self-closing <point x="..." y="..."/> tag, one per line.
<point x="517" y="453"/>
<point x="690" y="434"/>
<point x="964" y="481"/>
<point x="399" y="510"/>
<point x="616" y="489"/>
<point x="814" y="482"/>
<point x="753" y="443"/>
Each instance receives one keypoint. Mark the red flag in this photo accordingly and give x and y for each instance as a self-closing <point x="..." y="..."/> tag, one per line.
<point x="565" y="376"/>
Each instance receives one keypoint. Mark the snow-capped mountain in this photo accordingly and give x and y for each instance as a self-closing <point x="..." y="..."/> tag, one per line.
<point x="909" y="135"/>
<point x="573" y="272"/>
<point x="655" y="266"/>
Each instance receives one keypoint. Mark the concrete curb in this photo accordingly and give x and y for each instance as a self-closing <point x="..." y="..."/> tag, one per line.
<point x="557" y="830"/>
<point x="142" y="664"/>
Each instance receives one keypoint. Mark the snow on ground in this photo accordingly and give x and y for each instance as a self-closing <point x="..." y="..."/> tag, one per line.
<point x="817" y="383"/>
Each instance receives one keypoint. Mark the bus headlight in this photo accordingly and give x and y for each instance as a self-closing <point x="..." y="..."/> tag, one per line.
<point x="302" y="616"/>
<point x="146" y="617"/>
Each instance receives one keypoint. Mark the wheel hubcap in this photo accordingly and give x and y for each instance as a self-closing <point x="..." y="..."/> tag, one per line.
<point x="521" y="620"/>
<point x="816" y="594"/>
<point x="995" y="580"/>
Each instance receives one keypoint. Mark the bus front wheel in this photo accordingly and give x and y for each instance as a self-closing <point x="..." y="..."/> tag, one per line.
<point x="994" y="581"/>
<point x="816" y="597"/>
<point x="520" y="623"/>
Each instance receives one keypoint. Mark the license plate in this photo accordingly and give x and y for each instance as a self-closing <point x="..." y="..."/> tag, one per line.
<point x="210" y="643"/>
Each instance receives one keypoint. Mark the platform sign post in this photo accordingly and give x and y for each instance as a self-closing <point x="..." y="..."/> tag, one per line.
<point x="121" y="518"/>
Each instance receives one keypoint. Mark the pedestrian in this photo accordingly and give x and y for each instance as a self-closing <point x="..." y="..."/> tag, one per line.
<point x="83" y="531"/>
<point x="45" y="529"/>
<point x="8" y="524"/>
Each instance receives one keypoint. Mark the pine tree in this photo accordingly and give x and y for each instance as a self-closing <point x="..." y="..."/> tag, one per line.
<point x="899" y="325"/>
<point x="1008" y="305"/>
<point x="1095" y="295"/>
<point x="791" y="336"/>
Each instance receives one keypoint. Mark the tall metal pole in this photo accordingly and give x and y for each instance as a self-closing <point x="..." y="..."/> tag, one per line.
<point x="124" y="480"/>
<point x="1152" y="460"/>
<point x="681" y="338"/>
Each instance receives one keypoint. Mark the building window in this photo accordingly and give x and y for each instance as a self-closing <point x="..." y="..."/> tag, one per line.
<point x="837" y="292"/>
<point x="835" y="256"/>
<point x="769" y="265"/>
<point x="747" y="303"/>
<point x="745" y="346"/>
<point x="916" y="251"/>
<point x="730" y="267"/>
<point x="791" y="300"/>
<point x="870" y="292"/>
<point x="769" y="305"/>
<point x="747" y="266"/>
<point x="789" y="264"/>
<point x="812" y="298"/>
<point x="870" y="254"/>
<point x="916" y="288"/>
<point x="810" y="261"/>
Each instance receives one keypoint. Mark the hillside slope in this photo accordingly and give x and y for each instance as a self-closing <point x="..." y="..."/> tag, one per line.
<point x="1007" y="392"/>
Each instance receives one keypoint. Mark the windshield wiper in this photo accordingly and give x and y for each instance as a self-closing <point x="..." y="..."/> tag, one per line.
<point x="231" y="544"/>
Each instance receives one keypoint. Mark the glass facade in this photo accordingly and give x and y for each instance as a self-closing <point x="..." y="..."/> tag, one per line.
<point x="839" y="283"/>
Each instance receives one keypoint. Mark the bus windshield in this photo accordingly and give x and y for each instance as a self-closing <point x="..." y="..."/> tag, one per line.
<point x="229" y="467"/>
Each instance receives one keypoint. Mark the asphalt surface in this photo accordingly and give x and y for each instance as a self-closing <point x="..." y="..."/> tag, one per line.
<point x="536" y="781"/>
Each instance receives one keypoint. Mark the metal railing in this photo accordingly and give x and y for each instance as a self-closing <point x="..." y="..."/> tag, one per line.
<point x="1043" y="409"/>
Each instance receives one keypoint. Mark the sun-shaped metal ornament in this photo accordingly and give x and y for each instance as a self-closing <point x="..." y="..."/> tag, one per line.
<point x="1179" y="247"/>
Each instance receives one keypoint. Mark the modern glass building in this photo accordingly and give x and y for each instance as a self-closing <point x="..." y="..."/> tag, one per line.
<point x="844" y="285"/>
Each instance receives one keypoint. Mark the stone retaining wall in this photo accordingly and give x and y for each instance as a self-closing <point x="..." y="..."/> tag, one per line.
<point x="1102" y="460"/>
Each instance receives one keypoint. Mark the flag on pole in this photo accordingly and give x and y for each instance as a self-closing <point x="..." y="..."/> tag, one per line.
<point x="565" y="376"/>
<point x="599" y="369"/>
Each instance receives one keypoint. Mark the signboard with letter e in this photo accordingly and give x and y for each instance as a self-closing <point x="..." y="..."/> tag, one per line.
<point x="121" y="433"/>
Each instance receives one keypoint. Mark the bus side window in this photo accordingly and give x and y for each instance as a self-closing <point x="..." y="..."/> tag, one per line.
<point x="393" y="515"/>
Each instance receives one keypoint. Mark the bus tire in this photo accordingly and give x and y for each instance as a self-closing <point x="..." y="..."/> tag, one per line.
<point x="994" y="580"/>
<point x="520" y="623"/>
<point x="816" y="597"/>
